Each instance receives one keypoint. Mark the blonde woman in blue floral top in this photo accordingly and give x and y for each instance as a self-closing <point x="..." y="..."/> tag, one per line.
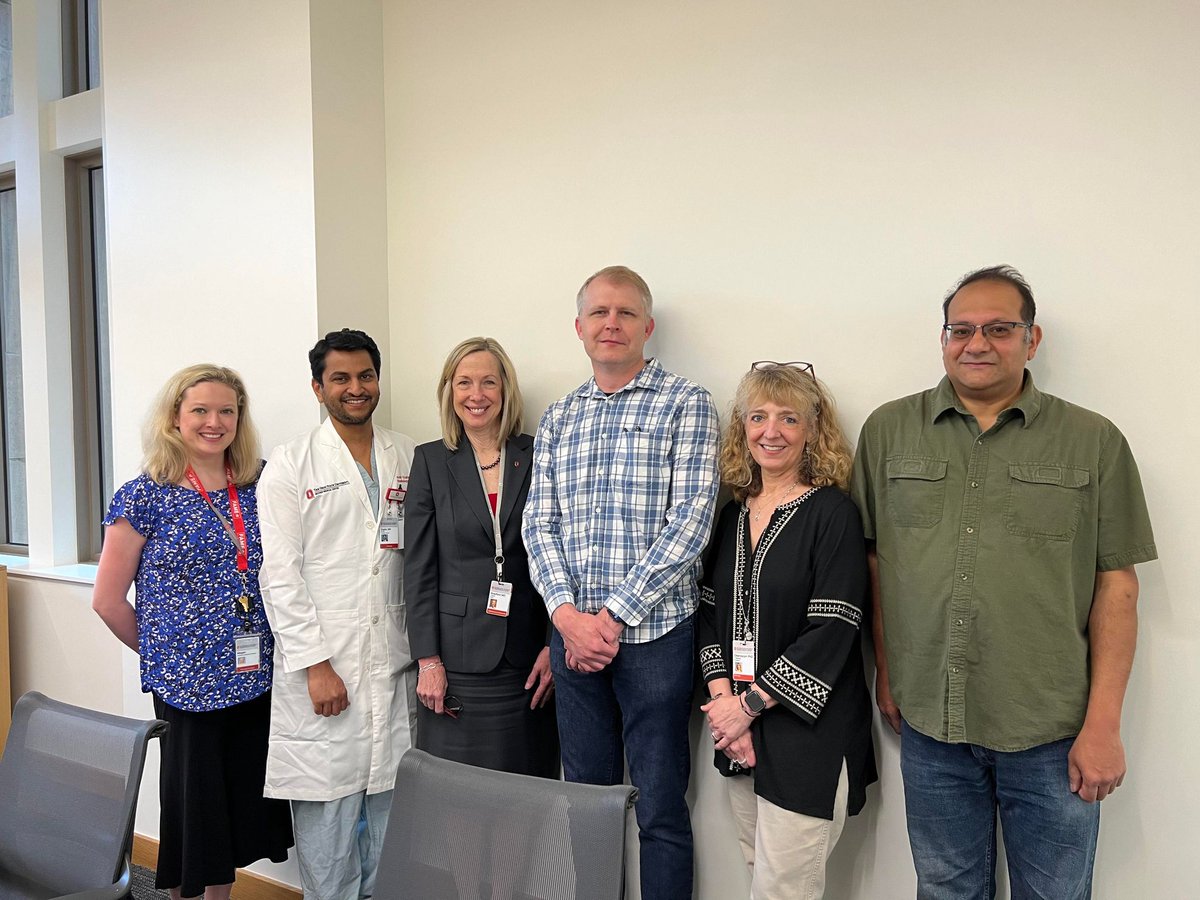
<point x="185" y="534"/>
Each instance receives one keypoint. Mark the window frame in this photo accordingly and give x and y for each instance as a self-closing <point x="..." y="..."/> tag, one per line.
<point x="77" y="49"/>
<point x="8" y="182"/>
<point x="89" y="330"/>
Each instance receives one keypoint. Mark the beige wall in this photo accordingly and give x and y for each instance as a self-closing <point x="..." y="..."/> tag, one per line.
<point x="802" y="180"/>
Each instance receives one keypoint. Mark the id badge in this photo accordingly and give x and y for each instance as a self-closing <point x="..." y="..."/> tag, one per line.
<point x="499" y="598"/>
<point x="397" y="494"/>
<point x="247" y="652"/>
<point x="743" y="660"/>
<point x="391" y="533"/>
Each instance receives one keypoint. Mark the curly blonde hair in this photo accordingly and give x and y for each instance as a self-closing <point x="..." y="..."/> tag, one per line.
<point x="827" y="458"/>
<point x="166" y="457"/>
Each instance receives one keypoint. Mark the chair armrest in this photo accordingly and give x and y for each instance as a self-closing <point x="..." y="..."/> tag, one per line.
<point x="113" y="892"/>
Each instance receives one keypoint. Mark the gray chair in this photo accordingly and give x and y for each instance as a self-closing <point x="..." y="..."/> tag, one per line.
<point x="458" y="831"/>
<point x="69" y="781"/>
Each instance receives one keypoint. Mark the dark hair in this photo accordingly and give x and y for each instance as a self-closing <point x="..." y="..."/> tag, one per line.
<point x="1005" y="274"/>
<point x="347" y="340"/>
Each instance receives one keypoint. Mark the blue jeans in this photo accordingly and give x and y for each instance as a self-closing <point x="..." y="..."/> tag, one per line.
<point x="638" y="707"/>
<point x="951" y="794"/>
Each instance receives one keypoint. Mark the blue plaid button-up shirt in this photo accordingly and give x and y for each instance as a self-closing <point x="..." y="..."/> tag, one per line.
<point x="621" y="501"/>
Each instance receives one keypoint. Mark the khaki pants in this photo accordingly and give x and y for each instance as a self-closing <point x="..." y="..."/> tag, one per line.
<point x="786" y="851"/>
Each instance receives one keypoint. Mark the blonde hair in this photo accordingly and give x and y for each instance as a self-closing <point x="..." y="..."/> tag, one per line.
<point x="165" y="456"/>
<point x="512" y="406"/>
<point x="826" y="460"/>
<point x="622" y="275"/>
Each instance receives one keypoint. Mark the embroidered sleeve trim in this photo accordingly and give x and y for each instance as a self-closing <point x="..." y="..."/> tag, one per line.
<point x="800" y="688"/>
<point x="712" y="662"/>
<point x="708" y="595"/>
<point x="835" y="609"/>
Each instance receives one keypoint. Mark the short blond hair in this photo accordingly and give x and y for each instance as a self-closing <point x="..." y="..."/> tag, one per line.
<point x="826" y="460"/>
<point x="512" y="407"/>
<point x="165" y="456"/>
<point x="618" y="275"/>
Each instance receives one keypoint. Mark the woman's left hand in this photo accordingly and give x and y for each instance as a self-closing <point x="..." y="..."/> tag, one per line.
<point x="741" y="751"/>
<point x="726" y="720"/>
<point x="543" y="678"/>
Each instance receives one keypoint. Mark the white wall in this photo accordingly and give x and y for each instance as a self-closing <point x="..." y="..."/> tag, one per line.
<point x="803" y="180"/>
<point x="349" y="171"/>
<point x="209" y="175"/>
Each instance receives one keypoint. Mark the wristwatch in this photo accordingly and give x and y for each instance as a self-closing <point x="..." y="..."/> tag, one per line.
<point x="755" y="705"/>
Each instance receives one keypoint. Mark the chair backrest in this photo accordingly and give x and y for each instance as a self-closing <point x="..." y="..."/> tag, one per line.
<point x="69" y="781"/>
<point x="458" y="831"/>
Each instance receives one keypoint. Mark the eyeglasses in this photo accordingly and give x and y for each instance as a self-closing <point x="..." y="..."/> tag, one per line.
<point x="960" y="332"/>
<point x="452" y="706"/>
<point x="763" y="365"/>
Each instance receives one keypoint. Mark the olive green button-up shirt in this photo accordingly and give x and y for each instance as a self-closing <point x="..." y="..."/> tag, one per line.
<point x="988" y="547"/>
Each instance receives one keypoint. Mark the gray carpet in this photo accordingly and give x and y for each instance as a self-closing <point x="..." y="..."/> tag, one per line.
<point x="143" y="886"/>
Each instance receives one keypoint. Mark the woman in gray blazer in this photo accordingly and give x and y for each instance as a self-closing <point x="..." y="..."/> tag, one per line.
<point x="475" y="623"/>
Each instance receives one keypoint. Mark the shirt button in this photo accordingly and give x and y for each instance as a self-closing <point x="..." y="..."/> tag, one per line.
<point x="374" y="620"/>
<point x="970" y="530"/>
<point x="597" y="509"/>
<point x="375" y="570"/>
<point x="958" y="621"/>
<point x="963" y="576"/>
<point x="975" y="484"/>
<point x="954" y="669"/>
<point x="370" y="525"/>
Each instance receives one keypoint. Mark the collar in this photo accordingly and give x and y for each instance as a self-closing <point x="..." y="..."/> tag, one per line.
<point x="1028" y="404"/>
<point x="650" y="378"/>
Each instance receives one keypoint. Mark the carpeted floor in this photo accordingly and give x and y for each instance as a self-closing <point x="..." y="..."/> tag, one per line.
<point x="143" y="885"/>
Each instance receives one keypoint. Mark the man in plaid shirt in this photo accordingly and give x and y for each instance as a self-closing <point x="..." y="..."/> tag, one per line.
<point x="620" y="507"/>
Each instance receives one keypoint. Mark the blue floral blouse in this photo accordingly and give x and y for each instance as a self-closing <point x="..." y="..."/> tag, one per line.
<point x="187" y="590"/>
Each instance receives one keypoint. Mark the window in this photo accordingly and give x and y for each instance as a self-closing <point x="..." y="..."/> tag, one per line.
<point x="14" y="531"/>
<point x="6" y="60"/>
<point x="89" y="326"/>
<point x="80" y="45"/>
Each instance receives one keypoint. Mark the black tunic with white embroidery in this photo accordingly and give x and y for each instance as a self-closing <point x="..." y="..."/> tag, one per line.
<point x="802" y="593"/>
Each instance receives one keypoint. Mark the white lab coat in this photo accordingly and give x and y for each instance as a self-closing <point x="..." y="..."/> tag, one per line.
<point x="331" y="593"/>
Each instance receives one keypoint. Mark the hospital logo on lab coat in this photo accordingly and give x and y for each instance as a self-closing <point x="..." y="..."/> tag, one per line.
<point x="311" y="493"/>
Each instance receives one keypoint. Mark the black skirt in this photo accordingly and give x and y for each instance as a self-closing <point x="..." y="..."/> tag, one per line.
<point x="214" y="818"/>
<point x="496" y="728"/>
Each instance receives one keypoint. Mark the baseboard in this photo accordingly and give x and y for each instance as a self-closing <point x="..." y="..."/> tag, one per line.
<point x="248" y="886"/>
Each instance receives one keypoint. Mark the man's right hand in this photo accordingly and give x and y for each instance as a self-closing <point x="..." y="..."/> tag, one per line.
<point x="326" y="690"/>
<point x="589" y="641"/>
<point x="883" y="698"/>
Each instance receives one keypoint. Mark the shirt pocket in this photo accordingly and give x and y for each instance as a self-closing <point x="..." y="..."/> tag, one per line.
<point x="1044" y="501"/>
<point x="640" y="458"/>
<point x="916" y="490"/>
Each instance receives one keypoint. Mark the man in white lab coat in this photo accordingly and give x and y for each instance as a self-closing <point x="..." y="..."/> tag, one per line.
<point x="331" y="507"/>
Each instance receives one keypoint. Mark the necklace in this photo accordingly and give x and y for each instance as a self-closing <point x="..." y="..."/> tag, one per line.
<point x="763" y="504"/>
<point x="490" y="465"/>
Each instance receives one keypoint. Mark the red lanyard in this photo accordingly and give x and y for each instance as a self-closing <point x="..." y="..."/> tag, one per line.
<point x="238" y="531"/>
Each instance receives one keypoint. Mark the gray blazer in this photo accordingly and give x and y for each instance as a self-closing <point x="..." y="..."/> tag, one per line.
<point x="448" y="561"/>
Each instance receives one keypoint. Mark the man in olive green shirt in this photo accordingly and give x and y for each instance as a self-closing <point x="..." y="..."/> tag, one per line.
<point x="1006" y="524"/>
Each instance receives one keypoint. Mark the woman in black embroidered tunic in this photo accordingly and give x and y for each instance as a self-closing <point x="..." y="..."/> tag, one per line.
<point x="784" y="595"/>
